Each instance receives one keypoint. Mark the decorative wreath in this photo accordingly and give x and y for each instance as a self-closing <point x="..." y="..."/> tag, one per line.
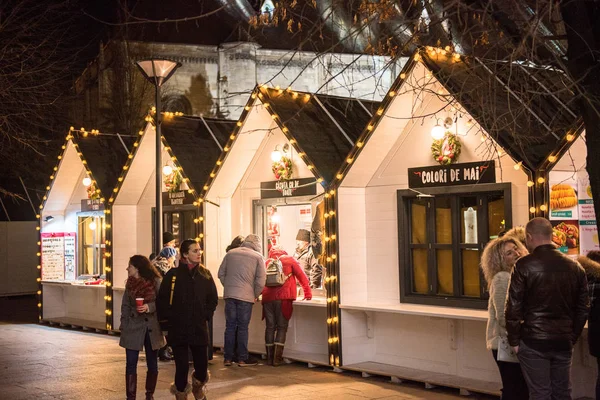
<point x="282" y="169"/>
<point x="446" y="150"/>
<point x="172" y="181"/>
<point x="92" y="192"/>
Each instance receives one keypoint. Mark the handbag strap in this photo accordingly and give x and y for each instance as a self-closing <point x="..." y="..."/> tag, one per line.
<point x="172" y="290"/>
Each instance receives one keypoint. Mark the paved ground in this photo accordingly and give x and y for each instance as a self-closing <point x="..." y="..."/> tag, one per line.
<point x="42" y="362"/>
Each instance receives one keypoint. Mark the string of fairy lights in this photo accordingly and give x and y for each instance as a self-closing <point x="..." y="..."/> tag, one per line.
<point x="263" y="95"/>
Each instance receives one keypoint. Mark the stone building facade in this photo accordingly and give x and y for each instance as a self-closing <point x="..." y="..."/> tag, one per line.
<point x="216" y="80"/>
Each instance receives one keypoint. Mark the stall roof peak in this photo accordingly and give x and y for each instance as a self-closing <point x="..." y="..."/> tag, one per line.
<point x="324" y="127"/>
<point x="105" y="155"/>
<point x="529" y="110"/>
<point x="197" y="143"/>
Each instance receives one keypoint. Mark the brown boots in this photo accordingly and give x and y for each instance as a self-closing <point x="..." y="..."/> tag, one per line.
<point x="270" y="353"/>
<point x="199" y="388"/>
<point x="278" y="356"/>
<point x="131" y="386"/>
<point x="181" y="395"/>
<point x="151" y="378"/>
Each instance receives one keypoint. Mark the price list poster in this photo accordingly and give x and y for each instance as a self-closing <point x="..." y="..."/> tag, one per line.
<point x="53" y="256"/>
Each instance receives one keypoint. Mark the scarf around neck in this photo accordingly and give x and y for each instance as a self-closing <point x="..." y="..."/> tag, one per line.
<point x="140" y="287"/>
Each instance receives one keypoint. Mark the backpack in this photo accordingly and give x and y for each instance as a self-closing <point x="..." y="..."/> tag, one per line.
<point x="275" y="275"/>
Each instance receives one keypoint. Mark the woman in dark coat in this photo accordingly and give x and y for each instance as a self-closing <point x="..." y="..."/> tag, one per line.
<point x="139" y="325"/>
<point x="591" y="265"/>
<point x="187" y="300"/>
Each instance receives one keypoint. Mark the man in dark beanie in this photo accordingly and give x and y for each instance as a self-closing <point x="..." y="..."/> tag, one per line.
<point x="305" y="257"/>
<point x="243" y="275"/>
<point x="168" y="240"/>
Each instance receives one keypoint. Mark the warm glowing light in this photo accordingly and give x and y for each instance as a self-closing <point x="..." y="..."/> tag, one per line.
<point x="541" y="180"/>
<point x="543" y="207"/>
<point x="276" y="156"/>
<point x="167" y="170"/>
<point x="532" y="210"/>
<point x="92" y="225"/>
<point x="551" y="159"/>
<point x="87" y="181"/>
<point x="437" y="132"/>
<point x="570" y="137"/>
<point x="530" y="183"/>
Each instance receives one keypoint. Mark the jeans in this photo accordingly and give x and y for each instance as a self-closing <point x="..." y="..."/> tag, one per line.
<point x="548" y="374"/>
<point x="182" y="364"/>
<point x="514" y="386"/>
<point x="132" y="356"/>
<point x="237" y="316"/>
<point x="275" y="321"/>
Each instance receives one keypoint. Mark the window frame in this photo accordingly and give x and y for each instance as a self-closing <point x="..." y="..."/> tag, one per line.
<point x="404" y="196"/>
<point x="98" y="248"/>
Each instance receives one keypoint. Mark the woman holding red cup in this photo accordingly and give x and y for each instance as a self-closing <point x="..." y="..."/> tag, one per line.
<point x="139" y="323"/>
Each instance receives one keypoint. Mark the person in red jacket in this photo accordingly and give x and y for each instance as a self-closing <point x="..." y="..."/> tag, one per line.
<point x="277" y="304"/>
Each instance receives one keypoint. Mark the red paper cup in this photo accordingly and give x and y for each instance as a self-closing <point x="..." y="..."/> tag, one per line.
<point x="139" y="301"/>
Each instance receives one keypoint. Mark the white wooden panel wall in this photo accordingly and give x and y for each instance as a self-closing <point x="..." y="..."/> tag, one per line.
<point x="352" y="239"/>
<point x="124" y="241"/>
<point x="144" y="218"/>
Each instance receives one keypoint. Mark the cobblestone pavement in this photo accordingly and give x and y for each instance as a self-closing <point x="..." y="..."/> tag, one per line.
<point x="43" y="362"/>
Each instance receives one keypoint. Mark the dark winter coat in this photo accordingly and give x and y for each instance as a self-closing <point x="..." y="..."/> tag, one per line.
<point x="194" y="302"/>
<point x="547" y="298"/>
<point x="592" y="271"/>
<point x="287" y="291"/>
<point x="134" y="325"/>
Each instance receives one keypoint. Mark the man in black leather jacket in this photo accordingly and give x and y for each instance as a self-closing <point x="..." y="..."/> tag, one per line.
<point x="546" y="310"/>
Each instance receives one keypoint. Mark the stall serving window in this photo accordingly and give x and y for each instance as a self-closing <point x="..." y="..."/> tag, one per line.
<point x="91" y="243"/>
<point x="442" y="233"/>
<point x="296" y="225"/>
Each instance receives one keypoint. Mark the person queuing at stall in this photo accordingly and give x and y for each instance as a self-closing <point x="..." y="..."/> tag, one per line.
<point x="497" y="262"/>
<point x="277" y="301"/>
<point x="235" y="243"/>
<point x="546" y="311"/>
<point x="307" y="260"/>
<point x="591" y="265"/>
<point x="187" y="301"/>
<point x="242" y="273"/>
<point x="139" y="323"/>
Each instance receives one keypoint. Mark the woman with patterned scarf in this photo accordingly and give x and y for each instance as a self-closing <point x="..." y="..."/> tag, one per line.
<point x="139" y="323"/>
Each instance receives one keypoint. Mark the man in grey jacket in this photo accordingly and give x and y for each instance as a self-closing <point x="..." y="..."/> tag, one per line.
<point x="243" y="275"/>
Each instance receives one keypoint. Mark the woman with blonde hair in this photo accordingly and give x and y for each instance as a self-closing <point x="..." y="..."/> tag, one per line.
<point x="498" y="259"/>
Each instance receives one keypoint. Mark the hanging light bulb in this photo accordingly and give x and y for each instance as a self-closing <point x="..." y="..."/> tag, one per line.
<point x="167" y="170"/>
<point x="437" y="132"/>
<point x="93" y="225"/>
<point x="87" y="181"/>
<point x="276" y="155"/>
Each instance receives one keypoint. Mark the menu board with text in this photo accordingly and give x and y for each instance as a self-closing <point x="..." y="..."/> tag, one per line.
<point x="588" y="229"/>
<point x="58" y="256"/>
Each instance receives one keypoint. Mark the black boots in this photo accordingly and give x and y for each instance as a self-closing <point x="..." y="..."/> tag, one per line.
<point x="270" y="353"/>
<point x="151" y="378"/>
<point x="278" y="357"/>
<point x="131" y="386"/>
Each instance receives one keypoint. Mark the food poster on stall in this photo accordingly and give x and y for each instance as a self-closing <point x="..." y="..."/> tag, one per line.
<point x="588" y="230"/>
<point x="564" y="212"/>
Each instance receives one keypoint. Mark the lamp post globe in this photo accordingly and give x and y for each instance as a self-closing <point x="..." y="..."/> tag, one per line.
<point x="158" y="71"/>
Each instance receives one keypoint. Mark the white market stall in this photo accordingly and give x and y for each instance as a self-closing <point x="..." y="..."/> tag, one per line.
<point x="308" y="137"/>
<point x="75" y="230"/>
<point x="411" y="230"/>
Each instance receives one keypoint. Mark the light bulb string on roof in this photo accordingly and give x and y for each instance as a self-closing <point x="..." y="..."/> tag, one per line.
<point x="95" y="132"/>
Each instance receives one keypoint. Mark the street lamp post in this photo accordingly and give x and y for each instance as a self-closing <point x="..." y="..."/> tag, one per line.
<point x="158" y="71"/>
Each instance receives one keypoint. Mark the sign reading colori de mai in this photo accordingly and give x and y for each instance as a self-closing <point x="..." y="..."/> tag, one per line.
<point x="178" y="198"/>
<point x="289" y="188"/>
<point x="452" y="175"/>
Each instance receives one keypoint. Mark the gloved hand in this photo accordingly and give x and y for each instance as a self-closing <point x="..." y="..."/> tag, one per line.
<point x="307" y="298"/>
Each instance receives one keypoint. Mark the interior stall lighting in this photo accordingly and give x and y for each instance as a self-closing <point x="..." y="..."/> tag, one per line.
<point x="167" y="170"/>
<point x="93" y="225"/>
<point x="437" y="132"/>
